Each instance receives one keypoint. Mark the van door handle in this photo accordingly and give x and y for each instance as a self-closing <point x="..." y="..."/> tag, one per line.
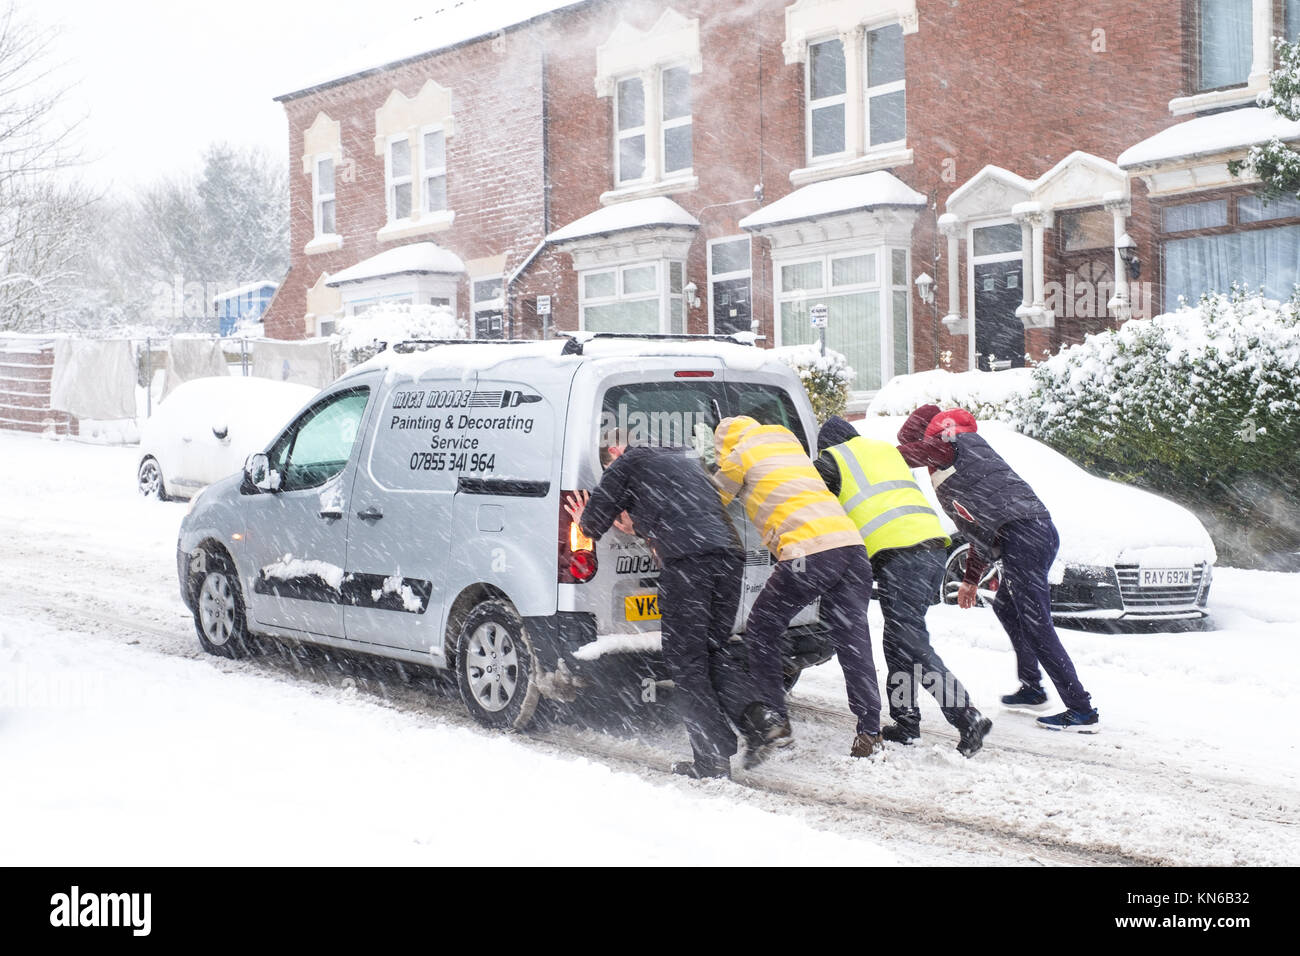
<point x="331" y="513"/>
<point x="370" y="514"/>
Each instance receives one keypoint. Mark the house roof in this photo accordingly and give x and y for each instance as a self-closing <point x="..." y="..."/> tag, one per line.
<point x="454" y="23"/>
<point x="417" y="258"/>
<point x="244" y="290"/>
<point x="623" y="216"/>
<point x="1209" y="135"/>
<point x="836" y="196"/>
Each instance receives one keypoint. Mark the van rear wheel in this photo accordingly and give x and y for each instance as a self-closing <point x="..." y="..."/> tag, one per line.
<point x="495" y="667"/>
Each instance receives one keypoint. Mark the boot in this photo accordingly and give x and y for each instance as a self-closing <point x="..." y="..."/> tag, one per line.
<point x="973" y="734"/>
<point x="764" y="729"/>
<point x="900" y="733"/>
<point x="864" y="745"/>
<point x="704" y="768"/>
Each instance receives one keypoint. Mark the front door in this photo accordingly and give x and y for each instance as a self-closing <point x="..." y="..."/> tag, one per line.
<point x="999" y="334"/>
<point x="732" y="311"/>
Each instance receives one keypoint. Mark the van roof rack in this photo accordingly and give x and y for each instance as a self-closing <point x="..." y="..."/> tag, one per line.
<point x="578" y="340"/>
<point x="410" y="345"/>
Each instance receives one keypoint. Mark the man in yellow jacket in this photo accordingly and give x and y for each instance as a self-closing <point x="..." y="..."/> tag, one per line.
<point x="907" y="546"/>
<point x="819" y="554"/>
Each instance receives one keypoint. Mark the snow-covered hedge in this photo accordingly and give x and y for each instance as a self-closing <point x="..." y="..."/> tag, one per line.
<point x="359" y="336"/>
<point x="1203" y="403"/>
<point x="826" y="378"/>
<point x="986" y="395"/>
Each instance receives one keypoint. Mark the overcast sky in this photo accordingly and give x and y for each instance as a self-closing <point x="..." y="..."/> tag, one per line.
<point x="211" y="69"/>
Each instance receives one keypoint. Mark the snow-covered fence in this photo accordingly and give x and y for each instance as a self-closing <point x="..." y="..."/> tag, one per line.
<point x="26" y="370"/>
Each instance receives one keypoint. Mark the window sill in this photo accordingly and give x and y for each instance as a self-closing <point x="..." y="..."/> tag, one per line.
<point x="664" y="187"/>
<point x="405" y="228"/>
<point x="323" y="243"/>
<point x="1218" y="99"/>
<point x="869" y="161"/>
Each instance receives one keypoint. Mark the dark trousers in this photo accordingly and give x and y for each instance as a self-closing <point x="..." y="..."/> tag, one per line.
<point x="907" y="580"/>
<point x="841" y="577"/>
<point x="1024" y="606"/>
<point x="698" y="597"/>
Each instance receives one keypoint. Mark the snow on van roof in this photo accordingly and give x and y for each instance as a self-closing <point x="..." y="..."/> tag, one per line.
<point x="473" y="357"/>
<point x="453" y="23"/>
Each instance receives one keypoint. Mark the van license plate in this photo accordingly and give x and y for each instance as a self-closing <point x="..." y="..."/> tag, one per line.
<point x="1165" y="577"/>
<point x="642" y="607"/>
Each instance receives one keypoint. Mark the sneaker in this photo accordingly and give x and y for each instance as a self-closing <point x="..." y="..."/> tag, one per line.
<point x="1075" y="721"/>
<point x="972" y="738"/>
<point x="1031" y="696"/>
<point x="900" y="733"/>
<point x="864" y="745"/>
<point x="764" y="729"/>
<point x="704" y="769"/>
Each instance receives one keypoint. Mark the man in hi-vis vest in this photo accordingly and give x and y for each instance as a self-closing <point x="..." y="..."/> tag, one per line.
<point x="907" y="546"/>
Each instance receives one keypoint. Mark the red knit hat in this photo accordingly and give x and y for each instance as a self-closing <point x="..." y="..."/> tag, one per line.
<point x="951" y="423"/>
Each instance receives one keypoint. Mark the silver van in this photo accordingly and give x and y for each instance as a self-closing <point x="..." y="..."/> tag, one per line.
<point x="414" y="510"/>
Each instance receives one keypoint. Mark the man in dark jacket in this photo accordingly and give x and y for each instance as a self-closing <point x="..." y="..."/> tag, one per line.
<point x="997" y="511"/>
<point x="906" y="545"/>
<point x="671" y="502"/>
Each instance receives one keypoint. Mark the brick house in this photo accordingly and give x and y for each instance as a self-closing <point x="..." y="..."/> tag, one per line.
<point x="958" y="181"/>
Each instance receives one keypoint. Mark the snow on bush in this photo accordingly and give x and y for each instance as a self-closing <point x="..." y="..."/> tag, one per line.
<point x="1204" y="401"/>
<point x="1275" y="163"/>
<point x="359" y="336"/>
<point x="826" y="378"/>
<point x="989" y="396"/>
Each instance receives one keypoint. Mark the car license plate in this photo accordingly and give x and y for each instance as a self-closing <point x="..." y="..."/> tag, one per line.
<point x="1165" y="577"/>
<point x="642" y="607"/>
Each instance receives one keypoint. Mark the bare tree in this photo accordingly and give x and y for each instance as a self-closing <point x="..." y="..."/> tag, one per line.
<point x="41" y="207"/>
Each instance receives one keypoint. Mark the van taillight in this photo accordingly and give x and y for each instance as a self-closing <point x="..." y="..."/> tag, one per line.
<point x="577" y="552"/>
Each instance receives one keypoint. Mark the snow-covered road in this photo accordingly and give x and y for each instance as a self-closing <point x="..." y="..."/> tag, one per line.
<point x="120" y="742"/>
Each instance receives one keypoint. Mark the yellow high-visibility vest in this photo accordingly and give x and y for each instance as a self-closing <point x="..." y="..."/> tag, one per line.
<point x="882" y="498"/>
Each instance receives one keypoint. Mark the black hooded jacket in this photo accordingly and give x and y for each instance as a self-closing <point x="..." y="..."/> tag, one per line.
<point x="836" y="431"/>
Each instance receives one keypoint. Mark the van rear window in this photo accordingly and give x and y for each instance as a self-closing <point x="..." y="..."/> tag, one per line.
<point x="666" y="413"/>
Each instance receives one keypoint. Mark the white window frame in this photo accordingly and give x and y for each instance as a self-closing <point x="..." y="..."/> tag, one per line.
<point x="661" y="293"/>
<point x="391" y="182"/>
<point x="973" y="260"/>
<point x="870" y="92"/>
<point x="643" y="131"/>
<point x="318" y="198"/>
<point x="879" y="286"/>
<point x="841" y="99"/>
<point x="438" y="171"/>
<point x="675" y="123"/>
<point x="902" y="284"/>
<point x="711" y="277"/>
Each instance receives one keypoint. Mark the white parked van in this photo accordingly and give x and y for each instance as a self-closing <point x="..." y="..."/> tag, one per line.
<point x="414" y="510"/>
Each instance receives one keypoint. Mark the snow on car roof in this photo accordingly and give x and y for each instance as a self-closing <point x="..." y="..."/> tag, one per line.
<point x="1101" y="522"/>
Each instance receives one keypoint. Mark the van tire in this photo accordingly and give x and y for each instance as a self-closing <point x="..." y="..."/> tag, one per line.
<point x="219" y="616"/>
<point x="496" y="669"/>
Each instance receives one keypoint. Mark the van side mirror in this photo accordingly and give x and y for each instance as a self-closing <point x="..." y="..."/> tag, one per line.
<point x="259" y="476"/>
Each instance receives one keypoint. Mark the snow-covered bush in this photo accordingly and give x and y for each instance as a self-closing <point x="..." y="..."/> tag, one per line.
<point x="1275" y="163"/>
<point x="826" y="378"/>
<point x="1203" y="404"/>
<point x="986" y="395"/>
<point x="360" y="337"/>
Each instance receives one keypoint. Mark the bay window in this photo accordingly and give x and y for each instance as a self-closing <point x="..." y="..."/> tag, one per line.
<point x="1210" y="248"/>
<point x="868" y="303"/>
<point x="642" y="297"/>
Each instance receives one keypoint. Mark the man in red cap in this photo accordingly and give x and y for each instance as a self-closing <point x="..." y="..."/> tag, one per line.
<point x="1002" y="518"/>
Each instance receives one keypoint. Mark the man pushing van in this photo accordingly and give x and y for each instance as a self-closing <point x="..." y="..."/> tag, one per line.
<point x="819" y="554"/>
<point x="671" y="503"/>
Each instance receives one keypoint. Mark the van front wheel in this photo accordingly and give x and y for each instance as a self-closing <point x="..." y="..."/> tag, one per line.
<point x="495" y="667"/>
